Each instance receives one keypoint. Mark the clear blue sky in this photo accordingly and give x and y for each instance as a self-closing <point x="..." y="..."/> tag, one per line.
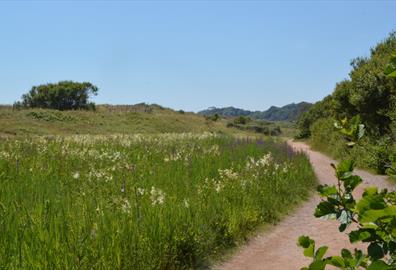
<point x="189" y="54"/>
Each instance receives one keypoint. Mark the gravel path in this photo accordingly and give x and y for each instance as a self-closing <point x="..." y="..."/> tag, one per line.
<point x="276" y="249"/>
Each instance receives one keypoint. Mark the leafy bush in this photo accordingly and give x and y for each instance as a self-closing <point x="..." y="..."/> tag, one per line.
<point x="213" y="118"/>
<point x="242" y="120"/>
<point x="50" y="116"/>
<point x="376" y="89"/>
<point x="374" y="214"/>
<point x="64" y="95"/>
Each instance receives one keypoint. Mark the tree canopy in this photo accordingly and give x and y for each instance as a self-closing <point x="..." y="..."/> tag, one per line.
<point x="64" y="95"/>
<point x="368" y="92"/>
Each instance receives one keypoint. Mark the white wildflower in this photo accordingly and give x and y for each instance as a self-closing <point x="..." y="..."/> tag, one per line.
<point x="76" y="175"/>
<point x="186" y="203"/>
<point x="228" y="173"/>
<point x="140" y="191"/>
<point x="125" y="206"/>
<point x="157" y="196"/>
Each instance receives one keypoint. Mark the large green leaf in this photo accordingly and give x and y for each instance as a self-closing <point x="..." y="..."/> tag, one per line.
<point x="308" y="244"/>
<point x="375" y="251"/>
<point x="320" y="252"/>
<point x="379" y="265"/>
<point x="336" y="261"/>
<point x="359" y="235"/>
<point x="317" y="265"/>
<point x="374" y="215"/>
<point x="325" y="210"/>
<point x="326" y="190"/>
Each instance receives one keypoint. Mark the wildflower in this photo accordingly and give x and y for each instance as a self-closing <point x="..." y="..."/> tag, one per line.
<point x="218" y="186"/>
<point x="186" y="203"/>
<point x="265" y="160"/>
<point x="157" y="196"/>
<point x="125" y="206"/>
<point x="228" y="173"/>
<point x="76" y="175"/>
<point x="140" y="191"/>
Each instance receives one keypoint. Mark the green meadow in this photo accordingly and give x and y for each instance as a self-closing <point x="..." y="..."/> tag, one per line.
<point x="170" y="201"/>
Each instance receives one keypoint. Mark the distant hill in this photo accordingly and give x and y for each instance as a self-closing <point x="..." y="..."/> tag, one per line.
<point x="289" y="112"/>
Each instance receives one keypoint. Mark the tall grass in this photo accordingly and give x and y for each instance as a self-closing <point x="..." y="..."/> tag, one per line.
<point x="139" y="202"/>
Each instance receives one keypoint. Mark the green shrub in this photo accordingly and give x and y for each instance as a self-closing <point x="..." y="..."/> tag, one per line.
<point x="50" y="116"/>
<point x="242" y="120"/>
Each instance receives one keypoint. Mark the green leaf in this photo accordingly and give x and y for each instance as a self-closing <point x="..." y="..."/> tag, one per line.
<point x="320" y="252"/>
<point x="370" y="191"/>
<point x="325" y="209"/>
<point x="317" y="265"/>
<point x="352" y="182"/>
<point x="346" y="254"/>
<point x="304" y="241"/>
<point x="326" y="190"/>
<point x="309" y="251"/>
<point x="359" y="235"/>
<point x="370" y="202"/>
<point x="342" y="227"/>
<point x="375" y="251"/>
<point x="374" y="215"/>
<point x="378" y="265"/>
<point x="344" y="168"/>
<point x="336" y="261"/>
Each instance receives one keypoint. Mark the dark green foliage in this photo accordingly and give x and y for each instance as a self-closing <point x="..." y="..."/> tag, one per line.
<point x="257" y="126"/>
<point x="370" y="93"/>
<point x="50" y="115"/>
<point x="290" y="112"/>
<point x="213" y="118"/>
<point x="225" y="112"/>
<point x="319" y="110"/>
<point x="241" y="120"/>
<point x="65" y="95"/>
<point x="391" y="67"/>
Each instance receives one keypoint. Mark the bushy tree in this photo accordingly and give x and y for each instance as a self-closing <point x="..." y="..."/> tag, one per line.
<point x="321" y="109"/>
<point x="368" y="92"/>
<point x="64" y="95"/>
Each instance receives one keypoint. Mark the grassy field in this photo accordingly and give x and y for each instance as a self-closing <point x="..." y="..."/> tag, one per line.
<point x="139" y="118"/>
<point x="114" y="119"/>
<point x="170" y="201"/>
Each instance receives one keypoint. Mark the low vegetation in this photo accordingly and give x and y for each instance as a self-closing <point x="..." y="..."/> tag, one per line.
<point x="256" y="126"/>
<point x="168" y="201"/>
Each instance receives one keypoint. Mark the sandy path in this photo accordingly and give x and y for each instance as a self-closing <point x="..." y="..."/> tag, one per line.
<point x="276" y="248"/>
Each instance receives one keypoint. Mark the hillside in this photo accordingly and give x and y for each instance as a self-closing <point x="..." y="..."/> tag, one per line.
<point x="107" y="119"/>
<point x="290" y="112"/>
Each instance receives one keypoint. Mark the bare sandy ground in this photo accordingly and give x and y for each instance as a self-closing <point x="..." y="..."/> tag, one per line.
<point x="276" y="249"/>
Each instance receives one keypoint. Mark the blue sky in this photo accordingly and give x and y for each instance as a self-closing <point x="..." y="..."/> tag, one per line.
<point x="189" y="54"/>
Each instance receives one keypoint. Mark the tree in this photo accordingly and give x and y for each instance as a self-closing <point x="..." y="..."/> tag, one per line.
<point x="64" y="95"/>
<point x="368" y="92"/>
